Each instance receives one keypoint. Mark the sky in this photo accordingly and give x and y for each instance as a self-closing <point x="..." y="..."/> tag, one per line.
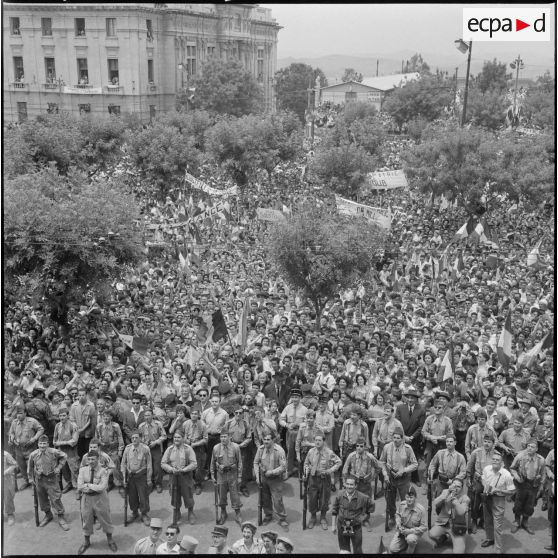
<point x="312" y="30"/>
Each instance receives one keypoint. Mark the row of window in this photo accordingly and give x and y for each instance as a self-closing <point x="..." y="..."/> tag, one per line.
<point x="82" y="70"/>
<point x="79" y="27"/>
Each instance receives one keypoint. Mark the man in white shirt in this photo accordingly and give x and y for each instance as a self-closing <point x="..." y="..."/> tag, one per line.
<point x="171" y="545"/>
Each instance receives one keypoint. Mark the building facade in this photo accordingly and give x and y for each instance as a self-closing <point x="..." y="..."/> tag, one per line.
<point x="107" y="59"/>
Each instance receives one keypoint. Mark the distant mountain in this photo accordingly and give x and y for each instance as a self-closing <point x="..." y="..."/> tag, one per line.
<point x="390" y="63"/>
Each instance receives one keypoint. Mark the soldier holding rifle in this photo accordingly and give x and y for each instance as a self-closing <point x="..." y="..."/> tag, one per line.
<point x="447" y="465"/>
<point x="270" y="469"/>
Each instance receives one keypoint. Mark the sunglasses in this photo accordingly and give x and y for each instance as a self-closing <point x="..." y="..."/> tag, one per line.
<point x="359" y="445"/>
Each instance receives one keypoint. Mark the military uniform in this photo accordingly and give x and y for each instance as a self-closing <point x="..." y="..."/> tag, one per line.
<point x="147" y="546"/>
<point x="512" y="443"/>
<point x="531" y="471"/>
<point x="445" y="467"/>
<point x="20" y="435"/>
<point x="182" y="458"/>
<point x="305" y="440"/>
<point x="447" y="514"/>
<point x="362" y="467"/>
<point x="136" y="469"/>
<point x="413" y="519"/>
<point x="9" y="483"/>
<point x="274" y="462"/>
<point x="195" y="436"/>
<point x="240" y="433"/>
<point x="382" y="432"/>
<point x="44" y="466"/>
<point x="93" y="482"/>
<point x="325" y="421"/>
<point x="226" y="469"/>
<point x="294" y="416"/>
<point x="67" y="434"/>
<point x="111" y="442"/>
<point x="434" y="426"/>
<point x="480" y="459"/>
<point x="154" y="433"/>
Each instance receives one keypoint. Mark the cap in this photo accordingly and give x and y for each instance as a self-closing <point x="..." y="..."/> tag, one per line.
<point x="43" y="438"/>
<point x="250" y="526"/>
<point x="296" y="391"/>
<point x="411" y="392"/>
<point x="110" y="396"/>
<point x="444" y="395"/>
<point x="156" y="522"/>
<point x="533" y="441"/>
<point x="286" y="541"/>
<point x="189" y="543"/>
<point x="323" y="399"/>
<point x="220" y="531"/>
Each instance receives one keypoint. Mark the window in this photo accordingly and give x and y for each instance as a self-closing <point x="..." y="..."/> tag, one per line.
<point x="113" y="71"/>
<point x="21" y="112"/>
<point x="52" y="108"/>
<point x="50" y="70"/>
<point x="260" y="64"/>
<point x="111" y="26"/>
<point x="80" y="26"/>
<point x="190" y="61"/>
<point x="210" y="51"/>
<point x="149" y="26"/>
<point x="46" y="26"/>
<point x="18" y="68"/>
<point x="152" y="112"/>
<point x="150" y="74"/>
<point x="114" y="109"/>
<point x="84" y="109"/>
<point x="83" y="73"/>
<point x="350" y="96"/>
<point x="238" y="23"/>
<point x="14" y="26"/>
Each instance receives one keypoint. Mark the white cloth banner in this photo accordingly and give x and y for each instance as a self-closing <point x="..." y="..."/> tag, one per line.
<point x="386" y="180"/>
<point x="268" y="214"/>
<point x="198" y="184"/>
<point x="378" y="215"/>
<point x="220" y="208"/>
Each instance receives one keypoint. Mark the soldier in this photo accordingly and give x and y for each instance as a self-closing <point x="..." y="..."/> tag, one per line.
<point x="180" y="461"/>
<point x="513" y="440"/>
<point x="451" y="524"/>
<point x="24" y="433"/>
<point x="262" y="426"/>
<point x="195" y="436"/>
<point x="544" y="433"/>
<point x="226" y="470"/>
<point x="136" y="472"/>
<point x="188" y="545"/>
<point x="93" y="482"/>
<point x="497" y="483"/>
<point x="149" y="545"/>
<point x="43" y="469"/>
<point x="351" y="509"/>
<point x="309" y="400"/>
<point x="270" y="470"/>
<point x="447" y="465"/>
<point x="353" y="429"/>
<point x="305" y="436"/>
<point x="214" y="420"/>
<point x="241" y="434"/>
<point x="10" y="466"/>
<point x="410" y="524"/>
<point x="153" y="435"/>
<point x="436" y="427"/>
<point x="83" y="414"/>
<point x="476" y="432"/>
<point x="66" y="439"/>
<point x="219" y="540"/>
<point x="320" y="463"/>
<point x="528" y="471"/>
<point x="398" y="462"/>
<point x="480" y="459"/>
<point x="111" y="442"/>
<point x="362" y="465"/>
<point x="291" y="418"/>
<point x="325" y="420"/>
<point x="384" y="427"/>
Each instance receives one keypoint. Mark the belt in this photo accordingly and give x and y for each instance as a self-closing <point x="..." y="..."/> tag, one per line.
<point x="139" y="472"/>
<point x="321" y="475"/>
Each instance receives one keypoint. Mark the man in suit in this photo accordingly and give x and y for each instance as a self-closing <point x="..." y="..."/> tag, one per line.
<point x="412" y="415"/>
<point x="279" y="389"/>
<point x="132" y="418"/>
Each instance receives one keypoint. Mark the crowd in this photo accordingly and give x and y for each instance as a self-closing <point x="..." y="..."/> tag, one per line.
<point x="363" y="406"/>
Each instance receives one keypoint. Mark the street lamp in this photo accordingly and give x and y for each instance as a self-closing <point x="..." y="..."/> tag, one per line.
<point x="182" y="68"/>
<point x="463" y="47"/>
<point x="516" y="65"/>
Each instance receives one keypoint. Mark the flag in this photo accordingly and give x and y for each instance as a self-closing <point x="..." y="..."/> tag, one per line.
<point x="503" y="349"/>
<point x="194" y="355"/>
<point x="182" y="217"/>
<point x="528" y="358"/>
<point x="458" y="265"/>
<point x="465" y="230"/>
<point x="444" y="204"/>
<point x="533" y="257"/>
<point x="448" y="363"/>
<point x="201" y="333"/>
<point x="243" y="327"/>
<point x="219" y="326"/>
<point x="394" y="282"/>
<point x="182" y="260"/>
<point x="135" y="342"/>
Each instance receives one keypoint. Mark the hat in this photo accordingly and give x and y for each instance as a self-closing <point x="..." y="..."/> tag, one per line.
<point x="286" y="541"/>
<point x="110" y="396"/>
<point x="38" y="389"/>
<point x="306" y="388"/>
<point x="270" y="535"/>
<point x="220" y="531"/>
<point x="444" y="395"/>
<point x="323" y="399"/>
<point x="533" y="441"/>
<point x="250" y="525"/>
<point x="296" y="391"/>
<point x="156" y="522"/>
<point x="524" y="400"/>
<point x="411" y="392"/>
<point x="189" y="543"/>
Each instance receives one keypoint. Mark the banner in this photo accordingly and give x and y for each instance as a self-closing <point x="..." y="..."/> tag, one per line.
<point x="268" y="214"/>
<point x="198" y="184"/>
<point x="82" y="90"/>
<point x="386" y="180"/>
<point x="221" y="208"/>
<point x="378" y="215"/>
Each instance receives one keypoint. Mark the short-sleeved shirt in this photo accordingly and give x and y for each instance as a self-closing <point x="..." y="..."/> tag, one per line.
<point x="528" y="466"/>
<point x="412" y="518"/>
<point x="179" y="457"/>
<point x="502" y="480"/>
<point x="515" y="440"/>
<point x="136" y="459"/>
<point x="215" y="421"/>
<point x="146" y="546"/>
<point x="361" y="465"/>
<point x="319" y="461"/>
<point x="44" y="462"/>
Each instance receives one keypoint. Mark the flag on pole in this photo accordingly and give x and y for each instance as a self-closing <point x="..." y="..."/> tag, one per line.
<point x="528" y="358"/>
<point x="219" y="326"/>
<point x="503" y="348"/>
<point x="394" y="281"/>
<point x="448" y="364"/>
<point x="243" y="329"/>
<point x="458" y="265"/>
<point x="465" y="230"/>
<point x="135" y="342"/>
<point x="533" y="257"/>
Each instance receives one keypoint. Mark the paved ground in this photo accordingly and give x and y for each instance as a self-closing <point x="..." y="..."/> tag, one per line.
<point x="25" y="538"/>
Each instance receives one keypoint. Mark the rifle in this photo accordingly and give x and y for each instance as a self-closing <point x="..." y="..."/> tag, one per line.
<point x="376" y="484"/>
<point x="35" y="499"/>
<point x="260" y="506"/>
<point x="388" y="489"/>
<point x="216" y="490"/>
<point x="175" y="499"/>
<point x="305" y="503"/>
<point x="126" y="480"/>
<point x="300" y="482"/>
<point x="429" y="485"/>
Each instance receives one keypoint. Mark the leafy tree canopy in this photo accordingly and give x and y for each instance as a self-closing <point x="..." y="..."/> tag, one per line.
<point x="226" y="87"/>
<point x="292" y="85"/>
<point x="350" y="74"/>
<point x="488" y="109"/>
<point x="65" y="236"/>
<point x="539" y="107"/>
<point x="417" y="64"/>
<point x="494" y="76"/>
<point x="321" y="253"/>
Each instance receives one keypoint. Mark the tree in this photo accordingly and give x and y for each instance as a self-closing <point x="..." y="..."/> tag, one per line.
<point x="417" y="64"/>
<point x="342" y="168"/>
<point x="538" y="108"/>
<point x="162" y="153"/>
<point x="493" y="76"/>
<point x="244" y="145"/>
<point x="321" y="254"/>
<point x="350" y="74"/>
<point x="226" y="87"/>
<point x="65" y="236"/>
<point x="292" y="85"/>
<point x="488" y="109"/>
<point x="426" y="98"/>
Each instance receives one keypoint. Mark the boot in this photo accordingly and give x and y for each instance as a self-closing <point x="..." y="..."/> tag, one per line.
<point x="312" y="521"/>
<point x="86" y="544"/>
<point x="473" y="526"/>
<point x="62" y="523"/>
<point x="238" y="517"/>
<point x="525" y="525"/>
<point x="46" y="520"/>
<point x="191" y="516"/>
<point x="222" y="517"/>
<point x="323" y="521"/>
<point x="111" y="543"/>
<point x="516" y="526"/>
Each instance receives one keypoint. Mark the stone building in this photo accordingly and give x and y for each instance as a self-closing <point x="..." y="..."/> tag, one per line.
<point x="114" y="58"/>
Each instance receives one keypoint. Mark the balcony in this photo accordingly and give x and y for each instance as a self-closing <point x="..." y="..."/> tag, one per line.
<point x="50" y="86"/>
<point x="83" y="86"/>
<point x="113" y="89"/>
<point x="20" y="85"/>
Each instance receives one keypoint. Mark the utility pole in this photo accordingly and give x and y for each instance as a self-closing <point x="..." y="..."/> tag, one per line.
<point x="464" y="115"/>
<point x="401" y="66"/>
<point x="377" y="66"/>
<point x="310" y="109"/>
<point x="516" y="65"/>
